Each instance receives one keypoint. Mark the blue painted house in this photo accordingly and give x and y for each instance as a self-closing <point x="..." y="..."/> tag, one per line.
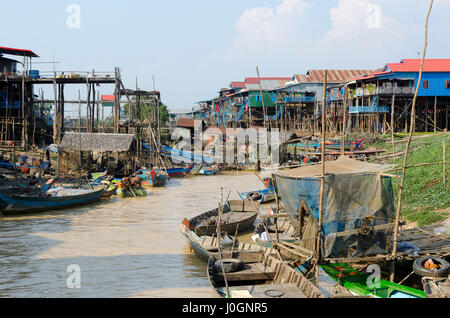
<point x="396" y="84"/>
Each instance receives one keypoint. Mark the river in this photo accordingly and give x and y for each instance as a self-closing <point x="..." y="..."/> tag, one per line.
<point x="122" y="247"/>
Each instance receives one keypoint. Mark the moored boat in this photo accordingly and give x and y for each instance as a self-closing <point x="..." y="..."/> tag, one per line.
<point x="56" y="198"/>
<point x="356" y="282"/>
<point x="258" y="275"/>
<point x="179" y="172"/>
<point x="261" y="196"/>
<point x="154" y="178"/>
<point x="236" y="213"/>
<point x="209" y="171"/>
<point x="207" y="245"/>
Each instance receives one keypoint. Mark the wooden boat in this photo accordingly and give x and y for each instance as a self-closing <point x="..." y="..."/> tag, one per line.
<point x="131" y="193"/>
<point x="235" y="213"/>
<point x="261" y="196"/>
<point x="286" y="233"/>
<point x="153" y="178"/>
<point x="110" y="191"/>
<point x="258" y="275"/>
<point x="209" y="171"/>
<point x="207" y="245"/>
<point x="356" y="282"/>
<point x="179" y="172"/>
<point x="51" y="200"/>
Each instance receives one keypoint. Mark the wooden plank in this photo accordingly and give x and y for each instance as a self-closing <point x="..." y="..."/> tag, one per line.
<point x="277" y="291"/>
<point x="249" y="273"/>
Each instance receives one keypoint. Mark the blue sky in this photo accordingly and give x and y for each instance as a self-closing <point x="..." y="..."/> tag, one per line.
<point x="193" y="48"/>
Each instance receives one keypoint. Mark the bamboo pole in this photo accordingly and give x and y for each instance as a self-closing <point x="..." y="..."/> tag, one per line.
<point x="262" y="97"/>
<point x="444" y="171"/>
<point x="218" y="240"/>
<point x="435" y="113"/>
<point x="345" y="119"/>
<point x="275" y="191"/>
<point x="405" y="161"/>
<point x="322" y="183"/>
<point x="79" y="129"/>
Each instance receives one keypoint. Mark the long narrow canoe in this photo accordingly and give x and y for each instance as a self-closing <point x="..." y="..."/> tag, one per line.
<point x="356" y="282"/>
<point x="235" y="213"/>
<point x="11" y="205"/>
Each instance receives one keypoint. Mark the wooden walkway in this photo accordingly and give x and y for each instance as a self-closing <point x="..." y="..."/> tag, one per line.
<point x="427" y="241"/>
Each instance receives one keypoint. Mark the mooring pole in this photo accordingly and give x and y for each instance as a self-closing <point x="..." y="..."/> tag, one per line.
<point x="322" y="183"/>
<point x="405" y="161"/>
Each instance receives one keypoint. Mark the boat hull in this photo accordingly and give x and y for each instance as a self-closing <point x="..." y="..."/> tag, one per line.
<point x="356" y="282"/>
<point x="179" y="172"/>
<point x="26" y="205"/>
<point x="261" y="196"/>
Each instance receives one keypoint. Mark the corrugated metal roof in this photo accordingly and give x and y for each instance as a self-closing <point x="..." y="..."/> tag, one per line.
<point x="21" y="52"/>
<point x="237" y="84"/>
<point x="96" y="142"/>
<point x="254" y="80"/>
<point x="334" y="76"/>
<point x="413" y="65"/>
<point x="266" y="84"/>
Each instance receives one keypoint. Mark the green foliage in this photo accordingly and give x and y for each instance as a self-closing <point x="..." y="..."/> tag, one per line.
<point x="147" y="112"/>
<point x="425" y="199"/>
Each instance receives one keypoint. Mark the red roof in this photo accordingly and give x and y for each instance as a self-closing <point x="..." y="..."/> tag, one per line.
<point x="413" y="65"/>
<point x="21" y="52"/>
<point x="334" y="76"/>
<point x="237" y="84"/>
<point x="254" y="80"/>
<point x="108" y="98"/>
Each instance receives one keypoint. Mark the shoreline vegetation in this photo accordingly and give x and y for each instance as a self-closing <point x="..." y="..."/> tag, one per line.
<point x="425" y="198"/>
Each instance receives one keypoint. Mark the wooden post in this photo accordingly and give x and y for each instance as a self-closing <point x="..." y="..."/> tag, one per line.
<point x="24" y="120"/>
<point x="446" y="113"/>
<point x="98" y="111"/>
<point x="322" y="183"/>
<point x="79" y="129"/>
<point x="444" y="171"/>
<point x="405" y="161"/>
<point x="88" y="107"/>
<point x="262" y="96"/>
<point x="435" y="114"/>
<point x="344" y="121"/>
<point x="218" y="240"/>
<point x="56" y="115"/>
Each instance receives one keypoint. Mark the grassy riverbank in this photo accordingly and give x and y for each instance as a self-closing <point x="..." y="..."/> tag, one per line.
<point x="425" y="199"/>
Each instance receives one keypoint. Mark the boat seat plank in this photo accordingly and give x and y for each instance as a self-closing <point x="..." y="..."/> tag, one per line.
<point x="255" y="271"/>
<point x="288" y="290"/>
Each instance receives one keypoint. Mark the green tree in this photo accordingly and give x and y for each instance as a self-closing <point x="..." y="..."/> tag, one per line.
<point x="147" y="111"/>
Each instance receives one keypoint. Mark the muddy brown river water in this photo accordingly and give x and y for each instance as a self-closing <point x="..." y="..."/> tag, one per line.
<point x="123" y="248"/>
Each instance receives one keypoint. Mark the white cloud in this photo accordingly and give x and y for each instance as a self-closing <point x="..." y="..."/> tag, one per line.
<point x="361" y="28"/>
<point x="264" y="29"/>
<point x="292" y="7"/>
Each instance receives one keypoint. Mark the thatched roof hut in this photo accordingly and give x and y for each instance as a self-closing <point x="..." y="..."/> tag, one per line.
<point x="96" y="142"/>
